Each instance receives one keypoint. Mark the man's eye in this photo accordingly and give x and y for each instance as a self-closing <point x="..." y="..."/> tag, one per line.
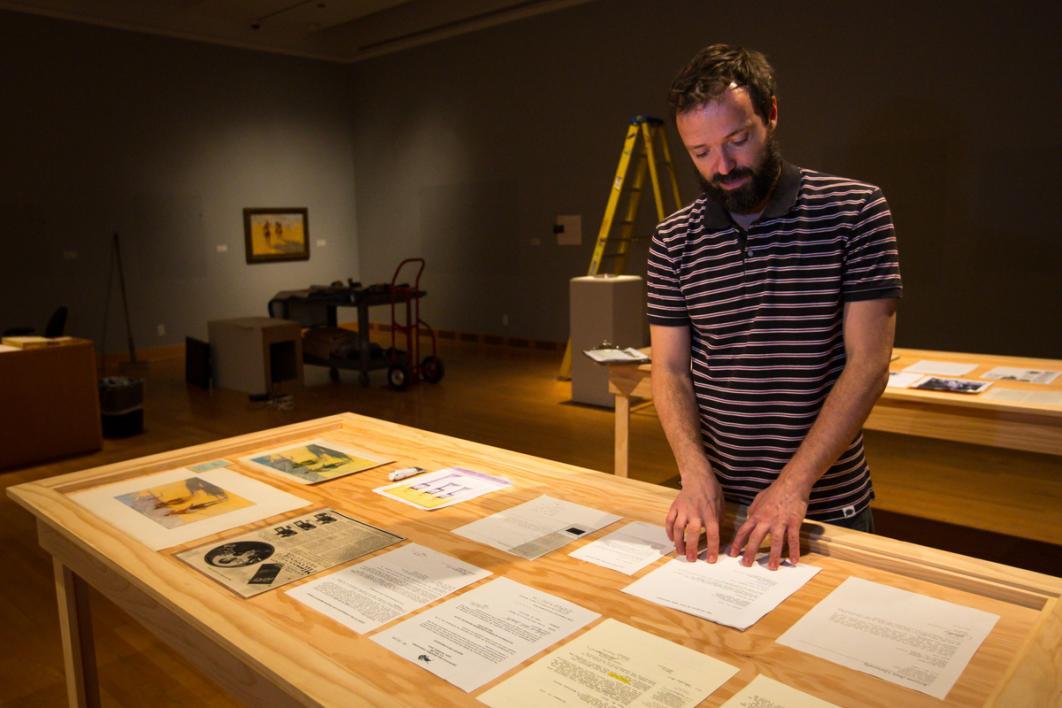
<point x="701" y="155"/>
<point x="740" y="140"/>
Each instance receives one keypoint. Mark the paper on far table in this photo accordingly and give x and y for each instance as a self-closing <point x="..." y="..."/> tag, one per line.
<point x="940" y="368"/>
<point x="473" y="638"/>
<point x="535" y="528"/>
<point x="1034" y="398"/>
<point x="765" y="692"/>
<point x="903" y="637"/>
<point x="614" y="664"/>
<point x="628" y="549"/>
<point x="903" y="379"/>
<point x="442" y="488"/>
<point x="1014" y="373"/>
<point x="725" y="592"/>
<point x="367" y="595"/>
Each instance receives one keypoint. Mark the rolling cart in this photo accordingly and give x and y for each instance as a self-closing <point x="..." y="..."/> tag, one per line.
<point x="406" y="366"/>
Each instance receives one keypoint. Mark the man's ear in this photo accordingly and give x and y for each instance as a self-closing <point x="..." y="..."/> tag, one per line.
<point x="772" y="123"/>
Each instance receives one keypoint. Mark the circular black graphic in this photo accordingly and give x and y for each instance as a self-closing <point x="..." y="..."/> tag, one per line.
<point x="238" y="553"/>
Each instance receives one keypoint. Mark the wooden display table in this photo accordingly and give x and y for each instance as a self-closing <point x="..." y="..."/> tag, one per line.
<point x="271" y="650"/>
<point x="978" y="419"/>
<point x="52" y="403"/>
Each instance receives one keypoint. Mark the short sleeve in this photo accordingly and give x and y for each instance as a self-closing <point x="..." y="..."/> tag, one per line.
<point x="872" y="261"/>
<point x="665" y="303"/>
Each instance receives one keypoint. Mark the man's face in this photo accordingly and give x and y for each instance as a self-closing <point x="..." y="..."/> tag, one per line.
<point x="734" y="151"/>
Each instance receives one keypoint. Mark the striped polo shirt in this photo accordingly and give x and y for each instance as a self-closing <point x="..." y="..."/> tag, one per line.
<point x="765" y="312"/>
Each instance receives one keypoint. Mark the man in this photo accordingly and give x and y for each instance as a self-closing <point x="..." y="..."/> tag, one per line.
<point x="771" y="302"/>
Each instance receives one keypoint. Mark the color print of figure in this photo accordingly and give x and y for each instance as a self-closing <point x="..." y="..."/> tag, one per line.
<point x="277" y="234"/>
<point x="314" y="463"/>
<point x="184" y="502"/>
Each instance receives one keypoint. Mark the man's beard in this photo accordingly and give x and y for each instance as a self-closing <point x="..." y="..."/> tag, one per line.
<point x="746" y="198"/>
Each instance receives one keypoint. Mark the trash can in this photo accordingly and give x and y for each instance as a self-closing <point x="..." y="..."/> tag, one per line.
<point x="121" y="406"/>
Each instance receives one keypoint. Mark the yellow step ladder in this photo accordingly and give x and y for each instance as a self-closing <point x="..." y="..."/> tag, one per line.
<point x="651" y="131"/>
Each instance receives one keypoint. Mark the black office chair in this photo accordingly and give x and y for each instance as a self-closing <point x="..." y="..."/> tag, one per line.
<point x="55" y="327"/>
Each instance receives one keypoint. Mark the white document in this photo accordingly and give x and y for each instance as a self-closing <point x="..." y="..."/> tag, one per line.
<point x="903" y="379"/>
<point x="940" y="368"/>
<point x="473" y="638"/>
<point x="177" y="506"/>
<point x="629" y="355"/>
<point x="903" y="637"/>
<point x="764" y="692"/>
<point x="1013" y="373"/>
<point x="1032" y="398"/>
<point x="442" y="488"/>
<point x="367" y="595"/>
<point x="628" y="549"/>
<point x="725" y="592"/>
<point x="614" y="664"/>
<point x="535" y="528"/>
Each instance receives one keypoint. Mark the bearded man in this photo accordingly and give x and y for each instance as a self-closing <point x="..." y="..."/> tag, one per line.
<point x="772" y="309"/>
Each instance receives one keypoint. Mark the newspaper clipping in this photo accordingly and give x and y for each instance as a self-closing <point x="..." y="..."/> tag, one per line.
<point x="268" y="558"/>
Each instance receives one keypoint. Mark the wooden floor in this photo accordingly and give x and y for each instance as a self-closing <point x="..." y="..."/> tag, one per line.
<point x="988" y="503"/>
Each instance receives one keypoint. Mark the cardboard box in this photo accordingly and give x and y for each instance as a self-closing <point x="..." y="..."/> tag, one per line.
<point x="50" y="402"/>
<point x="255" y="354"/>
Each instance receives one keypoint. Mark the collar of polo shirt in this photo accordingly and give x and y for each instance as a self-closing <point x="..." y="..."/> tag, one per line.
<point x="782" y="199"/>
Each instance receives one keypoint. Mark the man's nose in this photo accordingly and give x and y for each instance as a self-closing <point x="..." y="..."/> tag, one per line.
<point x="723" y="164"/>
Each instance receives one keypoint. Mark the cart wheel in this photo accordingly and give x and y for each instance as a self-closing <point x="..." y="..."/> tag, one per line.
<point x="432" y="369"/>
<point x="363" y="378"/>
<point x="333" y="374"/>
<point x="398" y="377"/>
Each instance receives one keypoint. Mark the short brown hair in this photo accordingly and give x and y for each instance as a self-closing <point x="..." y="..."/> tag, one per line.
<point x="713" y="69"/>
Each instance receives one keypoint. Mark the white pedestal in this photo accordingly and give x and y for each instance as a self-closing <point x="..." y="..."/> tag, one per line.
<point x="603" y="308"/>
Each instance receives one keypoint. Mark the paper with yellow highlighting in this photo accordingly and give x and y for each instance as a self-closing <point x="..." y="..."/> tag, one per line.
<point x="442" y="488"/>
<point x="614" y="664"/>
<point x="764" y="692"/>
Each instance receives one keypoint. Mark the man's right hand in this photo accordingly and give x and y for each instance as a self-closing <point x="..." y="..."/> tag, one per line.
<point x="699" y="505"/>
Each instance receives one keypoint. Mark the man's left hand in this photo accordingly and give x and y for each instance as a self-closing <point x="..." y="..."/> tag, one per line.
<point x="777" y="511"/>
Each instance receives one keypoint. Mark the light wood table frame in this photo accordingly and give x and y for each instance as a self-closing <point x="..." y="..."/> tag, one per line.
<point x="271" y="650"/>
<point x="976" y="419"/>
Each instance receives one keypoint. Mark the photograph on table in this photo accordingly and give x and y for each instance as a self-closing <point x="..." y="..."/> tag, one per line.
<point x="314" y="461"/>
<point x="177" y="506"/>
<point x="294" y="548"/>
<point x="278" y="234"/>
<point x="934" y="383"/>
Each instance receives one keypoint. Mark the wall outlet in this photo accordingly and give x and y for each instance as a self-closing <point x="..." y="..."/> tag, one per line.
<point x="321" y="243"/>
<point x="222" y="248"/>
<point x="505" y="320"/>
<point x="161" y="329"/>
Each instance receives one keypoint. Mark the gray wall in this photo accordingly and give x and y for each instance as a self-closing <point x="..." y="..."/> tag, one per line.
<point x="468" y="148"/>
<point x="166" y="142"/>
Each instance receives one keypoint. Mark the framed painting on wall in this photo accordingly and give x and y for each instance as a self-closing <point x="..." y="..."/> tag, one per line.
<point x="276" y="234"/>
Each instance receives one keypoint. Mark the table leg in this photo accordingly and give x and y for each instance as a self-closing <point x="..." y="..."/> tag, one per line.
<point x="623" y="430"/>
<point x="75" y="625"/>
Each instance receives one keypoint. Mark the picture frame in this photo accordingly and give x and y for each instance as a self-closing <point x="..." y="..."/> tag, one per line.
<point x="276" y="234"/>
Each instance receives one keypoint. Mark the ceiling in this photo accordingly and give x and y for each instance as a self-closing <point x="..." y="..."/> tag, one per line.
<point x="333" y="30"/>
